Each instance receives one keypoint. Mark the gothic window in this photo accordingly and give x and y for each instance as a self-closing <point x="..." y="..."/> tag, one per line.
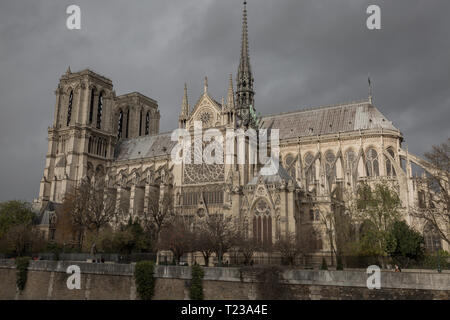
<point x="69" y="108"/>
<point x="100" y="111"/>
<point x="432" y="238"/>
<point x="390" y="171"/>
<point x="330" y="167"/>
<point x="372" y="166"/>
<point x="262" y="223"/>
<point x="120" y="125"/>
<point x="91" y="106"/>
<point x="290" y="165"/>
<point x="128" y="123"/>
<point x="140" y="123"/>
<point x="147" y="124"/>
<point x="90" y="145"/>
<point x="350" y="159"/>
<point x="310" y="168"/>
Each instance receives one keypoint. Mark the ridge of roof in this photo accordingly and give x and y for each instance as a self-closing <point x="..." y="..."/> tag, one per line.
<point x="309" y="109"/>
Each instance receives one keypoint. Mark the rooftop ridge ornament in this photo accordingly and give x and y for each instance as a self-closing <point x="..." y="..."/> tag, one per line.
<point x="206" y="85"/>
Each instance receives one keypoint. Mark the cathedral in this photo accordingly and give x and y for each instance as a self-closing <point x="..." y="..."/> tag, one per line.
<point x="96" y="133"/>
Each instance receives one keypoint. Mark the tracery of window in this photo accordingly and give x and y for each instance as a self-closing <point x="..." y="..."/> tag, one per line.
<point x="147" y="124"/>
<point x="100" y="111"/>
<point x="120" y="125"/>
<point x="390" y="170"/>
<point x="290" y="165"/>
<point x="350" y="158"/>
<point x="432" y="239"/>
<point x="69" y="108"/>
<point x="330" y="167"/>
<point x="372" y="166"/>
<point x="262" y="223"/>
<point x="311" y="168"/>
<point x="91" y="106"/>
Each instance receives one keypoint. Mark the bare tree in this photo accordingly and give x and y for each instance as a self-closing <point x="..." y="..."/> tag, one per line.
<point x="289" y="248"/>
<point x="436" y="188"/>
<point x="203" y="242"/>
<point x="176" y="237"/>
<point x="248" y="247"/>
<point x="159" y="214"/>
<point x="91" y="208"/>
<point x="222" y="232"/>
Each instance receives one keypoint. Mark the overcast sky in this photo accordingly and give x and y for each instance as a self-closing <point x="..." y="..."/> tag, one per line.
<point x="304" y="53"/>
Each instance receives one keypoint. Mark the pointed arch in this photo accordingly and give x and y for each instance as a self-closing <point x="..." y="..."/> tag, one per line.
<point x="120" y="124"/>
<point x="100" y="110"/>
<point x="69" y="108"/>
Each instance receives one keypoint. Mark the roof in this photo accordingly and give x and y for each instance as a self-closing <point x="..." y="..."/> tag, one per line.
<point x="354" y="116"/>
<point x="145" y="147"/>
<point x="281" y="176"/>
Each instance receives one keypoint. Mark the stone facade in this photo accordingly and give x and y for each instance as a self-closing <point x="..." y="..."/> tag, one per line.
<point x="47" y="280"/>
<point x="116" y="138"/>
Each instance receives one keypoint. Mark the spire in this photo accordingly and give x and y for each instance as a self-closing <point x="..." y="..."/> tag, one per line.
<point x="206" y="85"/>
<point x="244" y="45"/>
<point x="244" y="86"/>
<point x="185" y="104"/>
<point x="230" y="96"/>
<point x="68" y="70"/>
<point x="370" y="91"/>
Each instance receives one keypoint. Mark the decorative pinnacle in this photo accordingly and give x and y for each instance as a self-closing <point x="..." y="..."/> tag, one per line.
<point x="185" y="104"/>
<point x="206" y="85"/>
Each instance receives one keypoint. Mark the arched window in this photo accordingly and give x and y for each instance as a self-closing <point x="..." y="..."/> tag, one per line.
<point x="262" y="223"/>
<point x="69" y="108"/>
<point x="120" y="125"/>
<point x="91" y="106"/>
<point x="432" y="239"/>
<point x="310" y="168"/>
<point x="147" y="124"/>
<point x="128" y="123"/>
<point x="290" y="165"/>
<point x="390" y="170"/>
<point x="372" y="166"/>
<point x="350" y="163"/>
<point x="330" y="167"/>
<point x="100" y="111"/>
<point x="140" y="123"/>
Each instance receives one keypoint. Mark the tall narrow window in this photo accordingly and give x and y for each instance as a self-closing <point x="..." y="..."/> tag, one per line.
<point x="350" y="161"/>
<point x="91" y="106"/>
<point x="147" y="124"/>
<point x="140" y="123"/>
<point x="310" y="168"/>
<point x="100" y="111"/>
<point x="390" y="171"/>
<point x="372" y="166"/>
<point x="330" y="167"/>
<point x="120" y="125"/>
<point x="69" y="108"/>
<point x="128" y="123"/>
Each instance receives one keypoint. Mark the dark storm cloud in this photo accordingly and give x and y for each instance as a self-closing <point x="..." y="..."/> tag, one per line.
<point x="303" y="53"/>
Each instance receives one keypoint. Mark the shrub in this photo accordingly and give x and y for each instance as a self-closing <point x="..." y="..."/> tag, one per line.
<point x="196" y="287"/>
<point x="22" y="272"/>
<point x="145" y="281"/>
<point x="324" y="265"/>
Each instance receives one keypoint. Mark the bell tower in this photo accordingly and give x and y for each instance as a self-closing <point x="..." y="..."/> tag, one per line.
<point x="82" y="138"/>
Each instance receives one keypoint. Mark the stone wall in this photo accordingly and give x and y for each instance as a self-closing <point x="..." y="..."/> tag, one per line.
<point x="47" y="280"/>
